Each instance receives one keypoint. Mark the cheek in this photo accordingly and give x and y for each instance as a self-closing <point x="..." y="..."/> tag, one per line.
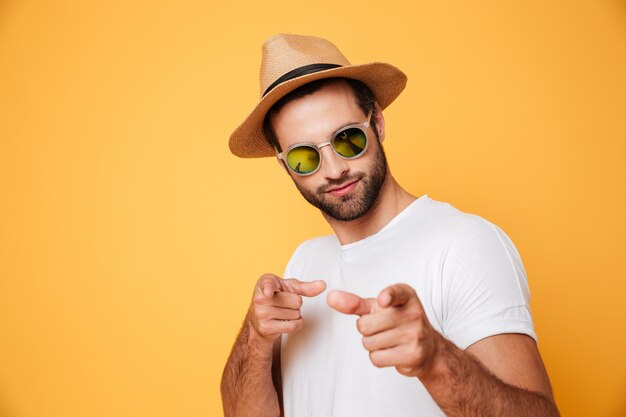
<point x="366" y="163"/>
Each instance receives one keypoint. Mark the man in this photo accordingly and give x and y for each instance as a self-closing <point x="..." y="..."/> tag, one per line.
<point x="440" y="296"/>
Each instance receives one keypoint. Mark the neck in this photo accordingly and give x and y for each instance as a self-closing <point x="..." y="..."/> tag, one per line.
<point x="391" y="200"/>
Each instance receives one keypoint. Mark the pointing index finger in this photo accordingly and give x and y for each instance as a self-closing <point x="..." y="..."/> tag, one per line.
<point x="349" y="303"/>
<point x="305" y="288"/>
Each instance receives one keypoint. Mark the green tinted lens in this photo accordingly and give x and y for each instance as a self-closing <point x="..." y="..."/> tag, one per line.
<point x="350" y="142"/>
<point x="303" y="159"/>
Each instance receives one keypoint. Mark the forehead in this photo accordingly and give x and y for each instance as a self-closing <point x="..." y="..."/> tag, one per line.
<point x="315" y="117"/>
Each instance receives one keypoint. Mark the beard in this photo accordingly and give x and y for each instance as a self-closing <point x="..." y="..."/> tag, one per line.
<point x="353" y="205"/>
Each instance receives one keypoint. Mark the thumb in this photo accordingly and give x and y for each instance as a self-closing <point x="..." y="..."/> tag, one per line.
<point x="349" y="303"/>
<point x="308" y="289"/>
<point x="396" y="295"/>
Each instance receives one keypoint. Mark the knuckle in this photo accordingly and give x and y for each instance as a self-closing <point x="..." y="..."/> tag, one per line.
<point x="414" y="335"/>
<point x="414" y="313"/>
<point x="412" y="350"/>
<point x="403" y="286"/>
<point x="299" y="323"/>
<point x="421" y="335"/>
<point x="361" y="326"/>
<point x="420" y="352"/>
<point x="292" y="326"/>
<point x="267" y="276"/>
<point x="403" y="370"/>
<point x="261" y="314"/>
<point x="416" y="356"/>
<point x="374" y="358"/>
<point x="414" y="338"/>
<point x="258" y="299"/>
<point x="367" y="343"/>
<point x="261" y="281"/>
<point x="292" y="300"/>
<point x="263" y="328"/>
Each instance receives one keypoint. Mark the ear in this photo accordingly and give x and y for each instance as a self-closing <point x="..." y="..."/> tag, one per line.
<point x="380" y="121"/>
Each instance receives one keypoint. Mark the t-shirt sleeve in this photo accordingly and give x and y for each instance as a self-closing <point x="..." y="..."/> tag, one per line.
<point x="484" y="286"/>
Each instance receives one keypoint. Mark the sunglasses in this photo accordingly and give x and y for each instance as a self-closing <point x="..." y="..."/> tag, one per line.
<point x="349" y="142"/>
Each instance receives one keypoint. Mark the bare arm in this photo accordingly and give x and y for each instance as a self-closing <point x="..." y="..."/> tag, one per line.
<point x="498" y="376"/>
<point x="277" y="377"/>
<point x="251" y="378"/>
<point x="247" y="388"/>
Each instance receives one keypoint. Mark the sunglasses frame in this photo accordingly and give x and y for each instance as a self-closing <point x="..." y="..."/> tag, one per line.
<point x="361" y="126"/>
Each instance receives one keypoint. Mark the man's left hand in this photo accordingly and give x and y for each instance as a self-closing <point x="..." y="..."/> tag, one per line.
<point x="395" y="329"/>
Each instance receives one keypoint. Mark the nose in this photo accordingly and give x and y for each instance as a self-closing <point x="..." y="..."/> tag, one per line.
<point x="333" y="166"/>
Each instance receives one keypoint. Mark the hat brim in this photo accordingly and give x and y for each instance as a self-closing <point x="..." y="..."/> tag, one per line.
<point x="385" y="81"/>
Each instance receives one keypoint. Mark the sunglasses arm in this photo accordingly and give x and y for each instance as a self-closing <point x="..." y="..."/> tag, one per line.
<point x="281" y="161"/>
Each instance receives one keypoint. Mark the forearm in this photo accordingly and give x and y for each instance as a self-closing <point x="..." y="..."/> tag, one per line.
<point x="247" y="388"/>
<point x="462" y="386"/>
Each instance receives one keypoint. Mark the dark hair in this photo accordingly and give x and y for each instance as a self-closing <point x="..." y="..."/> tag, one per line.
<point x="362" y="94"/>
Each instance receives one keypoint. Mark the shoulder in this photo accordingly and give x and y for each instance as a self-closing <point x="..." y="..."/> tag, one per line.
<point x="482" y="264"/>
<point x="484" y="288"/>
<point x="459" y="229"/>
<point x="477" y="252"/>
<point x="479" y="241"/>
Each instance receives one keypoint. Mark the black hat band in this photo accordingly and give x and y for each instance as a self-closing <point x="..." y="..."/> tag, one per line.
<point x="298" y="72"/>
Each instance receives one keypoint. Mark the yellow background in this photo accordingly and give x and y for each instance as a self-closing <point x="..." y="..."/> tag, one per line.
<point x="130" y="238"/>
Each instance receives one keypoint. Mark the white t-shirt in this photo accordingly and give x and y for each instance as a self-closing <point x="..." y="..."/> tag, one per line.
<point x="466" y="272"/>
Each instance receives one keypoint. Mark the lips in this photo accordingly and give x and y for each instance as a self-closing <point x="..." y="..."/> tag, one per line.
<point x="343" y="189"/>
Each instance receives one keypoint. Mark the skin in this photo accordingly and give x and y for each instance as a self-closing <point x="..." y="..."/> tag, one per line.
<point x="314" y="119"/>
<point x="499" y="375"/>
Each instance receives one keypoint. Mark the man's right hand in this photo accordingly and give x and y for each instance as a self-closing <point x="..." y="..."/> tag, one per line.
<point x="275" y="306"/>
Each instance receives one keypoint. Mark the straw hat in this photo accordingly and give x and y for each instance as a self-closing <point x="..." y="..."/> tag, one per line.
<point x="289" y="61"/>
